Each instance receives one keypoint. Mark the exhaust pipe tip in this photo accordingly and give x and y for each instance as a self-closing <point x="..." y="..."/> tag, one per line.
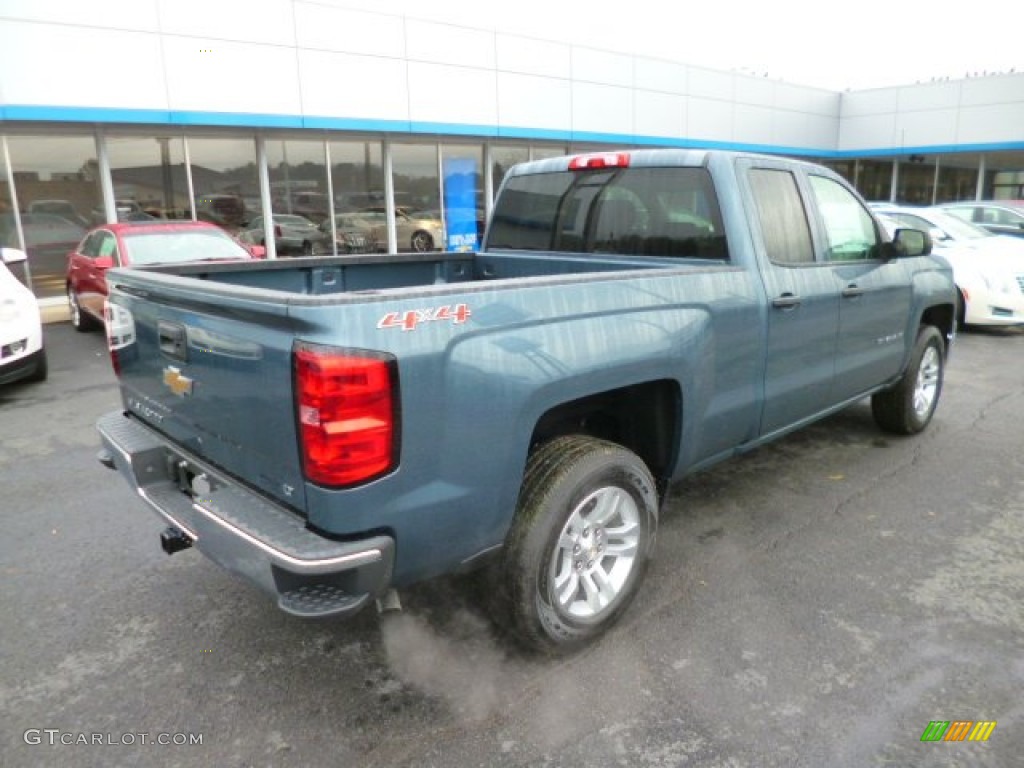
<point x="174" y="540"/>
<point x="389" y="603"/>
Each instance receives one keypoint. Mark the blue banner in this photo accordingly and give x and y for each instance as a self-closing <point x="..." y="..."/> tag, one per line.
<point x="460" y="213"/>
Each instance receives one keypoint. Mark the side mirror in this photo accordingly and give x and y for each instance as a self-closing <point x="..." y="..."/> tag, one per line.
<point x="12" y="255"/>
<point x="911" y="242"/>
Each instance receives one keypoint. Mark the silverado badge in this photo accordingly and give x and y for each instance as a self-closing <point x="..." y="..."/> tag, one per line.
<point x="176" y="382"/>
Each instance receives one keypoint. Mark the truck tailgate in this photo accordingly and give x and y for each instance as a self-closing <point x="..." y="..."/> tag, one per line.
<point x="211" y="370"/>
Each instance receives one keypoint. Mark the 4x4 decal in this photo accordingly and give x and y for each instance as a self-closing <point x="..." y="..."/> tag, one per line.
<point x="410" y="319"/>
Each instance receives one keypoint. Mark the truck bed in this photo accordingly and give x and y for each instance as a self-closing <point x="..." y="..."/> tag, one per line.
<point x="321" y="276"/>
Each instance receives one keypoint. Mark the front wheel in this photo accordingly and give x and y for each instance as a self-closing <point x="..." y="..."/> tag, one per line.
<point x="583" y="533"/>
<point x="908" y="407"/>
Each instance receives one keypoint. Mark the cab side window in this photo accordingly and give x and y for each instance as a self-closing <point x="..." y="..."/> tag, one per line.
<point x="780" y="212"/>
<point x="849" y="229"/>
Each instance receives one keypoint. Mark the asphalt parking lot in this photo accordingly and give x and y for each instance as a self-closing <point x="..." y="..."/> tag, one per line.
<point x="817" y="602"/>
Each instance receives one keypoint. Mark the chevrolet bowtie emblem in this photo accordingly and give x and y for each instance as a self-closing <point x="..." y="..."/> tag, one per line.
<point x="178" y="384"/>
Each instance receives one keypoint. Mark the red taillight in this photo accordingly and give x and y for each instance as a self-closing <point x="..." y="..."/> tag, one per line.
<point x="346" y="406"/>
<point x="120" y="328"/>
<point x="601" y="160"/>
<point x="277" y="230"/>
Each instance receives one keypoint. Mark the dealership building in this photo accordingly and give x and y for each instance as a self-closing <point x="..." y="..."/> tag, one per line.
<point x="237" y="113"/>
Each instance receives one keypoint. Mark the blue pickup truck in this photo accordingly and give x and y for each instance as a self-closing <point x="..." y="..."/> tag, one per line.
<point x="334" y="429"/>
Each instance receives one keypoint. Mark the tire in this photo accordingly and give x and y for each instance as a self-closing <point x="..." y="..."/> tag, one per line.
<point x="80" y="320"/>
<point x="422" y="242"/>
<point x="908" y="407"/>
<point x="307" y="248"/>
<point x="42" y="368"/>
<point x="579" y="545"/>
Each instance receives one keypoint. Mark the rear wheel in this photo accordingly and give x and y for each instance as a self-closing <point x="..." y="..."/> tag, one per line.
<point x="579" y="545"/>
<point x="908" y="407"/>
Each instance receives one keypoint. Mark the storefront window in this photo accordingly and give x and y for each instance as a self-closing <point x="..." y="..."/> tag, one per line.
<point x="874" y="180"/>
<point x="957" y="183"/>
<point x="357" y="179"/>
<point x="503" y="158"/>
<point x="1004" y="176"/>
<point x="149" y="177"/>
<point x="57" y="184"/>
<point x="463" y="188"/>
<point x="6" y="209"/>
<point x="298" y="197"/>
<point x="544" y="151"/>
<point x="226" y="181"/>
<point x="916" y="180"/>
<point x="418" y="220"/>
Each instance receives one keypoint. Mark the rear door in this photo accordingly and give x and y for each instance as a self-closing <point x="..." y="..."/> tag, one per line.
<point x="803" y="301"/>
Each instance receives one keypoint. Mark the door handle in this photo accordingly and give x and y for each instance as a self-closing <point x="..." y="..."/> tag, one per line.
<point x="786" y="301"/>
<point x="852" y="291"/>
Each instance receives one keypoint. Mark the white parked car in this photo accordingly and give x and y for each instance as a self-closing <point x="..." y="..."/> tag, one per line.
<point x="22" y="355"/>
<point x="988" y="269"/>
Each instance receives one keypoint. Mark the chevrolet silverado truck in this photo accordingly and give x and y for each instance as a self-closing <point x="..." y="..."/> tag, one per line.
<point x="338" y="428"/>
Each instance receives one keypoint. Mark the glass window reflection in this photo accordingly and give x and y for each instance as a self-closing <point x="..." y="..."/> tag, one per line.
<point x="58" y="191"/>
<point x="417" y="198"/>
<point x="149" y="178"/>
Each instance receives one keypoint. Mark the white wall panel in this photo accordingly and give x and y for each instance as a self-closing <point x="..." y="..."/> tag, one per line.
<point x="753" y="124"/>
<point x="658" y="114"/>
<point x="348" y="86"/>
<point x="921" y="128"/>
<point x="868" y="132"/>
<point x="593" y="66"/>
<point x="755" y="91"/>
<point x="253" y="21"/>
<point x="139" y="15"/>
<point x="994" y="89"/>
<point x="656" y="75"/>
<point x="525" y="101"/>
<point x="602" y="109"/>
<point x="443" y="94"/>
<point x="930" y="96"/>
<point x="447" y="44"/>
<point x="321" y="58"/>
<point x="795" y="129"/>
<point x="80" y="76"/>
<point x="997" y="123"/>
<point x="708" y="84"/>
<point x="874" y="102"/>
<point x="533" y="57"/>
<point x="231" y="77"/>
<point x="338" y="29"/>
<point x="709" y="119"/>
<point x="811" y="100"/>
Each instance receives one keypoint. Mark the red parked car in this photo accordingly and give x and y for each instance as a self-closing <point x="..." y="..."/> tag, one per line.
<point x="138" y="243"/>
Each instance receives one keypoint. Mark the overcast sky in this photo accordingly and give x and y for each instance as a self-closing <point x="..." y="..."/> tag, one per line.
<point x="835" y="45"/>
